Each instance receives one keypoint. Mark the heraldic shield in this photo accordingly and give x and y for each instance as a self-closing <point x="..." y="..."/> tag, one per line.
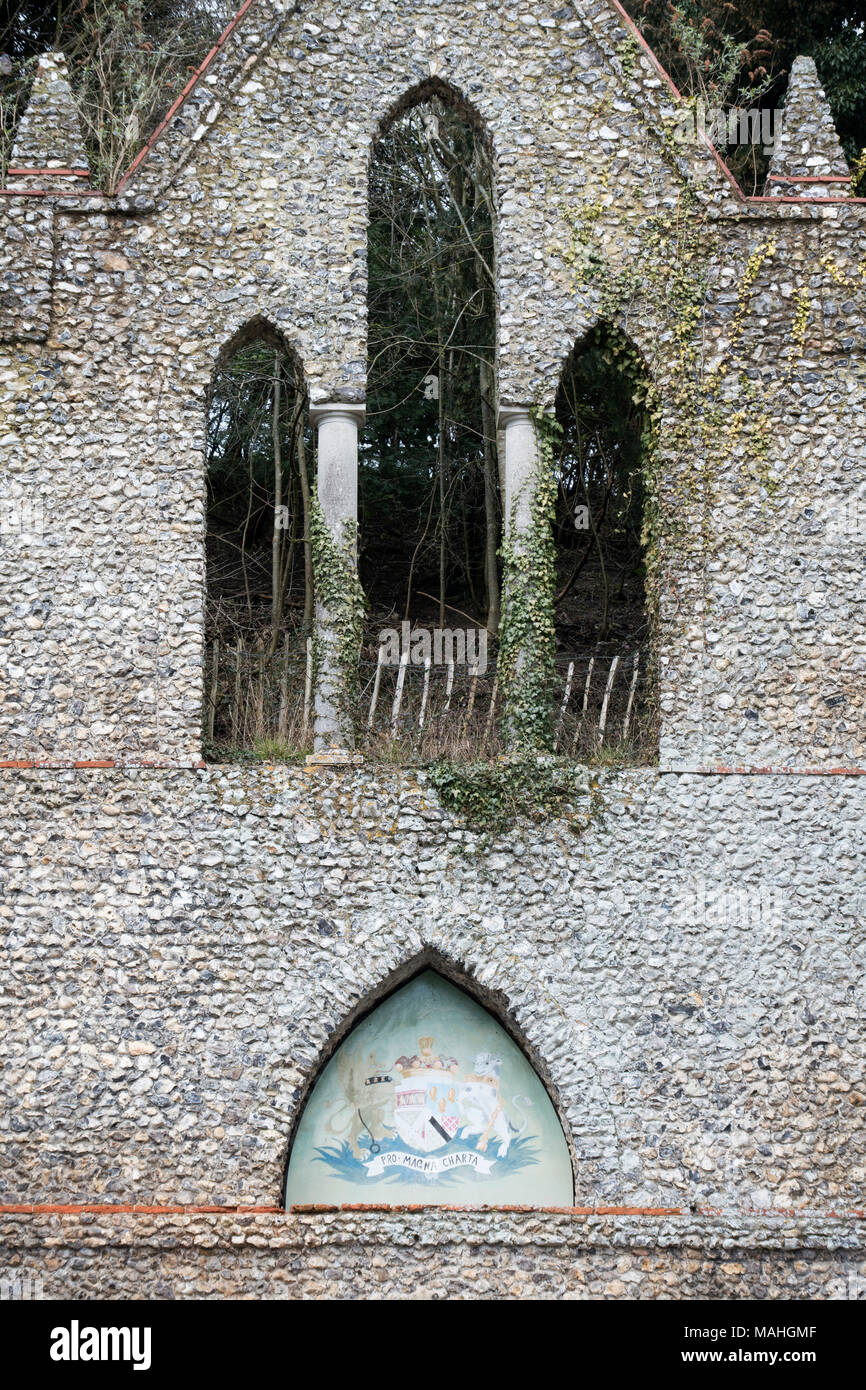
<point x="429" y="1097"/>
<point x="426" y="1109"/>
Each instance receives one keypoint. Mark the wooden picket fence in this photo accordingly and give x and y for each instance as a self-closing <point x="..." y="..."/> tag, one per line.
<point x="602" y="698"/>
<point x="256" y="698"/>
<point x="433" y="710"/>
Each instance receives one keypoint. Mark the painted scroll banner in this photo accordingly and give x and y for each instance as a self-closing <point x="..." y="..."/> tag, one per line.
<point x="428" y="1165"/>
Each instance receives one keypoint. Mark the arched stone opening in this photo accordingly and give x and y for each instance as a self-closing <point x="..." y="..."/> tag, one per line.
<point x="426" y="1096"/>
<point x="602" y="450"/>
<point x="429" y="504"/>
<point x="259" y="581"/>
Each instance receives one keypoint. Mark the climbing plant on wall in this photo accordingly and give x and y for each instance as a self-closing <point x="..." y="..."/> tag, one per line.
<point x="528" y="636"/>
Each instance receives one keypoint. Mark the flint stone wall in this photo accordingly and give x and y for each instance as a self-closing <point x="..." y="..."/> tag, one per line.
<point x="183" y="945"/>
<point x="435" y="1254"/>
<point x="253" y="205"/>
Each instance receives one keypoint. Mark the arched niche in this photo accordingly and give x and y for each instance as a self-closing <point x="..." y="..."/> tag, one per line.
<point x="429" y="1100"/>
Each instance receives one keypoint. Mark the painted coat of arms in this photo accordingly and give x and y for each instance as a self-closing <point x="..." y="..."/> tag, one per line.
<point x="426" y="1117"/>
<point x="429" y="1099"/>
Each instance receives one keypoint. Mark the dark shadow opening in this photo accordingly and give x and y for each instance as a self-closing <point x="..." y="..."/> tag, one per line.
<point x="605" y="614"/>
<point x="429" y="505"/>
<point x="259" y="584"/>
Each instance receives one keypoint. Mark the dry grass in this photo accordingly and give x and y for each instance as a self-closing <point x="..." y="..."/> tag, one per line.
<point x="258" y="711"/>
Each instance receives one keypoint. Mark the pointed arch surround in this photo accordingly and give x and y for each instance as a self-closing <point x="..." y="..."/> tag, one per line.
<point x="440" y="89"/>
<point x="428" y="1099"/>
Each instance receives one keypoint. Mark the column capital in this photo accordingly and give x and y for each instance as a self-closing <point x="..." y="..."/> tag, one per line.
<point x="511" y="414"/>
<point x="337" y="410"/>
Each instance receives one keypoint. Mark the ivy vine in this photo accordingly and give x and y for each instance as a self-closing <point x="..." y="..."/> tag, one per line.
<point x="491" y="796"/>
<point x="527" y="633"/>
<point x="339" y="591"/>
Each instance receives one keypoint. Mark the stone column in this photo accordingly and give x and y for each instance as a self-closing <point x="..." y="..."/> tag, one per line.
<point x="521" y="462"/>
<point x="337" y="425"/>
<point x="521" y="477"/>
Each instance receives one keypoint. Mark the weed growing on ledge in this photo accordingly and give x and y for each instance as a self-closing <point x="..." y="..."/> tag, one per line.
<point x="490" y="796"/>
<point x="269" y="750"/>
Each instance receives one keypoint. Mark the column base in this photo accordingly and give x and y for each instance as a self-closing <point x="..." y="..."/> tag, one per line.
<point x="334" y="757"/>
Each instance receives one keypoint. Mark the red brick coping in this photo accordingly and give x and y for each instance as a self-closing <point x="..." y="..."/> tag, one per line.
<point x="311" y="1208"/>
<point x="721" y="770"/>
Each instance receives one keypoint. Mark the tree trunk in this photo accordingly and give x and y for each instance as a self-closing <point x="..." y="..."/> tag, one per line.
<point x="249" y="454"/>
<point x="491" y="510"/>
<point x="304" y="477"/>
<point x="276" y="538"/>
<point x="442" y="490"/>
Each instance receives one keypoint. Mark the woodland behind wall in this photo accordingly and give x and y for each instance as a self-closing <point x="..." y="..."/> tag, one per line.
<point x="172" y="982"/>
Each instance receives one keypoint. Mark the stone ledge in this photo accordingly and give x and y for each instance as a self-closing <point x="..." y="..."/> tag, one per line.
<point x="706" y="1231"/>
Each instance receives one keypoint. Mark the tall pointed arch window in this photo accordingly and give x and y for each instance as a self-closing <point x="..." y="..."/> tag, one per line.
<point x="429" y="509"/>
<point x="259" y="591"/>
<point x="428" y="1099"/>
<point x="605" y="629"/>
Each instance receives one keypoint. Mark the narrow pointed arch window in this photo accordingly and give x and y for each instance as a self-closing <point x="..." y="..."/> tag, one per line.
<point x="259" y="593"/>
<point x="605" y="628"/>
<point x="429" y="506"/>
<point x="428" y="1099"/>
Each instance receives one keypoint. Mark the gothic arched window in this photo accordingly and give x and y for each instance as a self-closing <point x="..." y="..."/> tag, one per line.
<point x="429" y="512"/>
<point x="259" y="593"/>
<point x="605" y="635"/>
<point x="429" y="1100"/>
